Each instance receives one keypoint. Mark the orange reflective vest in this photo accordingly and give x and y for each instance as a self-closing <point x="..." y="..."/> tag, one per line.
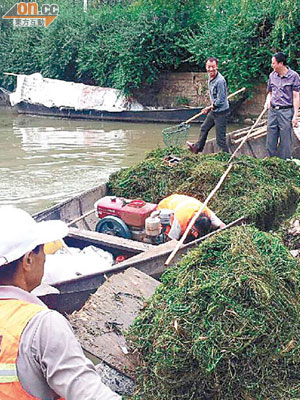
<point x="14" y="316"/>
<point x="184" y="208"/>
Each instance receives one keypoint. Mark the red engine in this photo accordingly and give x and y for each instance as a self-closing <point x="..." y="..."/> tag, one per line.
<point x="132" y="212"/>
<point x="123" y="217"/>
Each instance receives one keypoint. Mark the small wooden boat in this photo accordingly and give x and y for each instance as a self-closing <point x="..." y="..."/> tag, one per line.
<point x="37" y="95"/>
<point x="73" y="293"/>
<point x="160" y="115"/>
<point x="176" y="115"/>
<point x="147" y="258"/>
<point x="255" y="146"/>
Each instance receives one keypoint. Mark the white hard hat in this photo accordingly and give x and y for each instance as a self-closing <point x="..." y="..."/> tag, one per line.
<point x="20" y="233"/>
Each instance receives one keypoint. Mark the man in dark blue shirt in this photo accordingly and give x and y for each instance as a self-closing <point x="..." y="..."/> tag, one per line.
<point x="283" y="104"/>
<point x="216" y="112"/>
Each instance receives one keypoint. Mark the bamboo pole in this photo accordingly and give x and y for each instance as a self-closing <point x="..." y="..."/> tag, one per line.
<point x="242" y="132"/>
<point x="81" y="217"/>
<point x="212" y="193"/>
<point x="201" y="112"/>
<point x="256" y="132"/>
<point x="247" y="136"/>
<point x="192" y="221"/>
<point x="258" y="136"/>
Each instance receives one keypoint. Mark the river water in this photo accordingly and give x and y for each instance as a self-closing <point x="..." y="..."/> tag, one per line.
<point x="44" y="160"/>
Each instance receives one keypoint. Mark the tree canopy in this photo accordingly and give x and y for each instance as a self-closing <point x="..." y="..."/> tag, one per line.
<point x="128" y="44"/>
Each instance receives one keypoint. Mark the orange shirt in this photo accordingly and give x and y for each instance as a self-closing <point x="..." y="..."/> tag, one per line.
<point x="184" y="208"/>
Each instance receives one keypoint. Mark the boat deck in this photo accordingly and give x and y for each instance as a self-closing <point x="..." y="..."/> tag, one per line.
<point x="100" y="324"/>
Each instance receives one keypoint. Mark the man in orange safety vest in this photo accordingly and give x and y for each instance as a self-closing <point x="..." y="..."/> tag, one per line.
<point x="40" y="358"/>
<point x="183" y="209"/>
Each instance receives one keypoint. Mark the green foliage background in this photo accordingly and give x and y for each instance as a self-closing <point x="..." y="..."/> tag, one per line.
<point x="127" y="44"/>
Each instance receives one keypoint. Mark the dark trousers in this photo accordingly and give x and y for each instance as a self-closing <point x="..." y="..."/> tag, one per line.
<point x="280" y="128"/>
<point x="219" y="120"/>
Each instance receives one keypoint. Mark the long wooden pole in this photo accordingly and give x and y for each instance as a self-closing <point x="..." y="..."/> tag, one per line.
<point x="257" y="132"/>
<point x="212" y="193"/>
<point x="247" y="136"/>
<point x="242" y="132"/>
<point x="192" y="221"/>
<point x="201" y="112"/>
<point x="81" y="217"/>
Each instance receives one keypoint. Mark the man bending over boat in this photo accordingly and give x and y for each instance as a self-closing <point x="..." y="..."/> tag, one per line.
<point x="39" y="355"/>
<point x="184" y="208"/>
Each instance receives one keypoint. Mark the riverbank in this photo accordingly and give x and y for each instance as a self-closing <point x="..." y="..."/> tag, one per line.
<point x="173" y="89"/>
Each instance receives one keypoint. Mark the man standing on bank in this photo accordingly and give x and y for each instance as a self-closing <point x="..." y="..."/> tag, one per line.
<point x="40" y="357"/>
<point x="283" y="103"/>
<point x="218" y="110"/>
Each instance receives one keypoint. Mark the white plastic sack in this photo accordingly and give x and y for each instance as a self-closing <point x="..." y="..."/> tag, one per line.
<point x="63" y="266"/>
<point x="35" y="89"/>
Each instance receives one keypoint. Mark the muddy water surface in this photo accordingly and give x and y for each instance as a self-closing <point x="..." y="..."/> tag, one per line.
<point x="46" y="160"/>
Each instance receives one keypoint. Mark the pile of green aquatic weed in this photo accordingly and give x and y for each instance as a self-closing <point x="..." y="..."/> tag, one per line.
<point x="264" y="191"/>
<point x="224" y="324"/>
<point x="151" y="179"/>
<point x="261" y="190"/>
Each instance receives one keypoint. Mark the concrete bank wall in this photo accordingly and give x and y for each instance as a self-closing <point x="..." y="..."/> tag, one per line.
<point x="255" y="105"/>
<point x="190" y="88"/>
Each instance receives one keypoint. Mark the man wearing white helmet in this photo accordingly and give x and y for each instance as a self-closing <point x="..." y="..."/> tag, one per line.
<point x="40" y="357"/>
